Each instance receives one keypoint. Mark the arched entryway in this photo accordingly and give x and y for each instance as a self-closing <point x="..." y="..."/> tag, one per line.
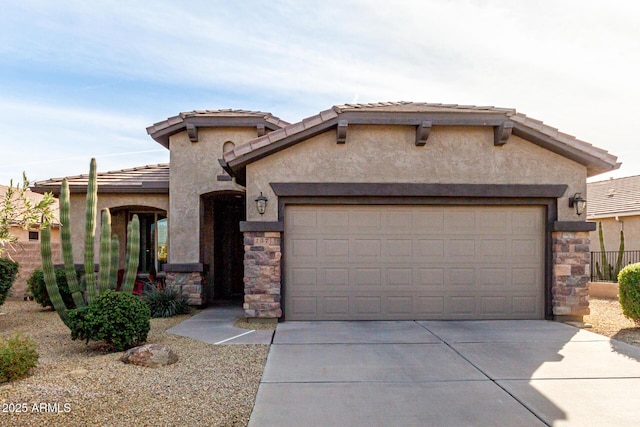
<point x="221" y="245"/>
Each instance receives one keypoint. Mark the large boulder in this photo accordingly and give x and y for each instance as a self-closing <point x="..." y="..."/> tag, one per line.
<point x="150" y="355"/>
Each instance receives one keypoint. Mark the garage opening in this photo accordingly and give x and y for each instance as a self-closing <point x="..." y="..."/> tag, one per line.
<point x="354" y="262"/>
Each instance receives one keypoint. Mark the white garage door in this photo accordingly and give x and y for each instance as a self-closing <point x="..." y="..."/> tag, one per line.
<point x="414" y="262"/>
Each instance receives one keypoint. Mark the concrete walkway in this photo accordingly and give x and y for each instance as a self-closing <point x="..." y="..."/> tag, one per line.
<point x="214" y="325"/>
<point x="476" y="373"/>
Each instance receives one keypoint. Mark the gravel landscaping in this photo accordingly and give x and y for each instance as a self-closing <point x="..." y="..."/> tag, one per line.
<point x="209" y="386"/>
<point x="76" y="384"/>
<point x="607" y="319"/>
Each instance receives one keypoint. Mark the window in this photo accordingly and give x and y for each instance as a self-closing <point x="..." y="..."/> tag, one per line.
<point x="34" y="236"/>
<point x="154" y="247"/>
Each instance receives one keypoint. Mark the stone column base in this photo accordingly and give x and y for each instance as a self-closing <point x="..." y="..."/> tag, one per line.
<point x="189" y="283"/>
<point x="571" y="274"/>
<point x="262" y="255"/>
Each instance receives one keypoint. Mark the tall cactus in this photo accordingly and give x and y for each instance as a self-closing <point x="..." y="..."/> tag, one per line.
<point x="105" y="252"/>
<point x="67" y="249"/>
<point x="90" y="231"/>
<point x="115" y="262"/>
<point x="620" y="255"/>
<point x="50" y="275"/>
<point x="606" y="271"/>
<point x="109" y="258"/>
<point x="133" y="254"/>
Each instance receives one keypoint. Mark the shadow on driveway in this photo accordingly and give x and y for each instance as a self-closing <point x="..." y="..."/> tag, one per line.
<point x="446" y="373"/>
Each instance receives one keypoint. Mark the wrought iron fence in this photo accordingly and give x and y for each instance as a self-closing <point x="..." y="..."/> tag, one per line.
<point x="605" y="266"/>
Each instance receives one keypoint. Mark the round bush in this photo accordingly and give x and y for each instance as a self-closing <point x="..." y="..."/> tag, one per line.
<point x="18" y="355"/>
<point x="8" y="273"/>
<point x="37" y="287"/>
<point x="629" y="291"/>
<point x="121" y="320"/>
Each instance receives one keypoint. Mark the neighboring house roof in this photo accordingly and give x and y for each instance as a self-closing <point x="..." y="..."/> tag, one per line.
<point x="141" y="179"/>
<point x="422" y="114"/>
<point x="35" y="198"/>
<point x="613" y="197"/>
<point x="191" y="120"/>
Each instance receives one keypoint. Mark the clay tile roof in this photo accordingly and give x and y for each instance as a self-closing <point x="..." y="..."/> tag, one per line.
<point x="419" y="107"/>
<point x="161" y="131"/>
<point x="613" y="197"/>
<point x="141" y="179"/>
<point x="596" y="159"/>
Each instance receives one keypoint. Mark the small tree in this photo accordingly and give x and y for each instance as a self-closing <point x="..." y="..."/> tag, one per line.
<point x="16" y="209"/>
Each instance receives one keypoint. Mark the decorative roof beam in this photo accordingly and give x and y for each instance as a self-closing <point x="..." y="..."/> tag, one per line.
<point x="192" y="131"/>
<point x="261" y="130"/>
<point x="502" y="133"/>
<point x="341" y="131"/>
<point x="422" y="133"/>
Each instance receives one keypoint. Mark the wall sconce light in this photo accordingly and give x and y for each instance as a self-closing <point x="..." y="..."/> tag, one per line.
<point x="578" y="202"/>
<point x="261" y="204"/>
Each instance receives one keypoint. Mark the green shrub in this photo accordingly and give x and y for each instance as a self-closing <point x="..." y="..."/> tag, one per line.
<point x="38" y="289"/>
<point x="119" y="319"/>
<point x="166" y="302"/>
<point x="18" y="354"/>
<point x="629" y="291"/>
<point x="8" y="273"/>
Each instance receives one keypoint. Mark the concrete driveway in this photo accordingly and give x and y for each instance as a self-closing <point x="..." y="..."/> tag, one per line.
<point x="472" y="373"/>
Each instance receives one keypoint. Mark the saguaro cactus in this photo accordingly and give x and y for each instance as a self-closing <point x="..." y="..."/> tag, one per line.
<point x="50" y="275"/>
<point x="133" y="254"/>
<point x="67" y="250"/>
<point x="105" y="252"/>
<point x="109" y="251"/>
<point x="115" y="262"/>
<point x="90" y="230"/>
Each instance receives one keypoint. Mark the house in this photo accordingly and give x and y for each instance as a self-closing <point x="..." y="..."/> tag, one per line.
<point x="616" y="204"/>
<point x="394" y="210"/>
<point x="26" y="250"/>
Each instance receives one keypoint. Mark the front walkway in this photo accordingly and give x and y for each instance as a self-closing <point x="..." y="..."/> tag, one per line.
<point x="214" y="325"/>
<point x="480" y="373"/>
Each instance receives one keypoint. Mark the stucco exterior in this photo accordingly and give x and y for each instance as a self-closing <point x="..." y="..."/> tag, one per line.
<point x="611" y="228"/>
<point x="194" y="172"/>
<point x="387" y="154"/>
<point x="222" y="160"/>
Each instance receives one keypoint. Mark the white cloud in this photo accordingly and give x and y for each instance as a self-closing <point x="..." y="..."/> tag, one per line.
<point x="573" y="63"/>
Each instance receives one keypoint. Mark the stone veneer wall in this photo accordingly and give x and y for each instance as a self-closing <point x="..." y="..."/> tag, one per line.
<point x="262" y="253"/>
<point x="189" y="284"/>
<point x="571" y="274"/>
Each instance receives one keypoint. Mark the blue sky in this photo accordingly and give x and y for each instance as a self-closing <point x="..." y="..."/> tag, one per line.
<point x="84" y="79"/>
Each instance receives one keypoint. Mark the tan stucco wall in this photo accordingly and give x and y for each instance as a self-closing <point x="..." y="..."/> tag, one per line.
<point x="23" y="235"/>
<point x="453" y="155"/>
<point x="194" y="172"/>
<point x="78" y="207"/>
<point x="611" y="233"/>
<point x="27" y="254"/>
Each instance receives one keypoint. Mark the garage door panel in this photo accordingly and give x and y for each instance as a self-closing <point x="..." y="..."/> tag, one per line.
<point x="336" y="305"/>
<point x="380" y="262"/>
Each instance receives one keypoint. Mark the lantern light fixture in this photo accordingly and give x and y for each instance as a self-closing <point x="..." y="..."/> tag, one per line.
<point x="578" y="202"/>
<point x="261" y="204"/>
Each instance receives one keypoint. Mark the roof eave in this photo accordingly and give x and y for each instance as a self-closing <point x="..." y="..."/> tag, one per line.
<point x="595" y="164"/>
<point x="162" y="135"/>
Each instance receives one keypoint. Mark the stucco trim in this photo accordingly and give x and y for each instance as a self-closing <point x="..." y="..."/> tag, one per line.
<point x="251" y="226"/>
<point x="550" y="203"/>
<point x="595" y="164"/>
<point x="162" y="135"/>
<point x="393" y="190"/>
<point x="183" y="268"/>
<point x="574" y="226"/>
